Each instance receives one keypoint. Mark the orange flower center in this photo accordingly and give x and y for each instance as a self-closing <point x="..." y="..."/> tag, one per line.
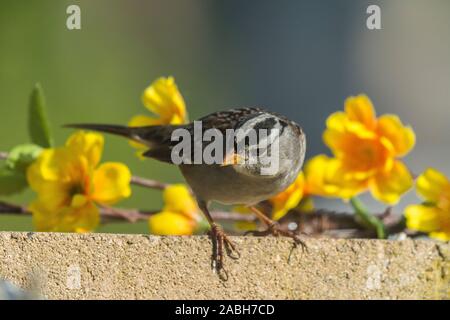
<point x="76" y="189"/>
<point x="365" y="154"/>
<point x="79" y="188"/>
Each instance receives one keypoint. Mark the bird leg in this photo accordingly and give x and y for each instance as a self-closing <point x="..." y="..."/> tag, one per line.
<point x="220" y="241"/>
<point x="273" y="228"/>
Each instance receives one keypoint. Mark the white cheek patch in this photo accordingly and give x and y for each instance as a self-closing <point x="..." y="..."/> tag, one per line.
<point x="269" y="155"/>
<point x="263" y="152"/>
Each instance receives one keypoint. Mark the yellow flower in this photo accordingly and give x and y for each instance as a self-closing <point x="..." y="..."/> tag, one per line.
<point x="324" y="178"/>
<point x="433" y="216"/>
<point x="366" y="150"/>
<point x="164" y="100"/>
<point x="69" y="182"/>
<point x="321" y="177"/>
<point x="180" y="214"/>
<point x="290" y="198"/>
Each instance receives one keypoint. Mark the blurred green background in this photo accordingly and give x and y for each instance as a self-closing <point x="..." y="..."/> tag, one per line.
<point x="299" y="58"/>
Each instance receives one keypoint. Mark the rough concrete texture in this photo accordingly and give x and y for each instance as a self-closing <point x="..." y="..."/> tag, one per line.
<point x="105" y="266"/>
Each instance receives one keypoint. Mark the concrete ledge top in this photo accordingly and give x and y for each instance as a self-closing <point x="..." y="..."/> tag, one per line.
<point x="111" y="266"/>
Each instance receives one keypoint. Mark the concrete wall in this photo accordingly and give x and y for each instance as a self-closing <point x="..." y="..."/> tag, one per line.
<point x="106" y="266"/>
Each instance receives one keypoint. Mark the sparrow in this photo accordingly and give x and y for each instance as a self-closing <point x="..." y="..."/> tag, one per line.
<point x="238" y="180"/>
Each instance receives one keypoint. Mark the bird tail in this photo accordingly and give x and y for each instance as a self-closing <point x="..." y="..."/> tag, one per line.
<point x="149" y="135"/>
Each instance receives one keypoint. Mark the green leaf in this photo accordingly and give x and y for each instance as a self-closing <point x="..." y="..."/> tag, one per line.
<point x="13" y="173"/>
<point x="21" y="156"/>
<point x="38" y="124"/>
<point x="11" y="181"/>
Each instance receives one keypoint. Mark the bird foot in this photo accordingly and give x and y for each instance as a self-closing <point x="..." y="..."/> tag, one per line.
<point x="274" y="229"/>
<point x="220" y="241"/>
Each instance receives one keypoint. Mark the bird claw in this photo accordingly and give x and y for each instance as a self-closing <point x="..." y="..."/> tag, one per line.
<point x="275" y="230"/>
<point x="221" y="241"/>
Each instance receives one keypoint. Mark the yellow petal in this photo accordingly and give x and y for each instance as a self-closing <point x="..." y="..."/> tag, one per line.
<point x="346" y="142"/>
<point x="52" y="193"/>
<point x="111" y="183"/>
<point x="389" y="186"/>
<point x="315" y="174"/>
<point x="423" y="218"/>
<point x="65" y="219"/>
<point x="53" y="165"/>
<point x="177" y="198"/>
<point x="170" y="223"/>
<point x="163" y="98"/>
<point x="327" y="177"/>
<point x="335" y="134"/>
<point x="87" y="144"/>
<point x="143" y="121"/>
<point x="441" y="235"/>
<point x="83" y="219"/>
<point x="335" y="140"/>
<point x="34" y="176"/>
<point x="280" y="209"/>
<point x="288" y="199"/>
<point x="78" y="201"/>
<point x="43" y="219"/>
<point x="336" y="121"/>
<point x="306" y="205"/>
<point x="432" y="184"/>
<point x="401" y="137"/>
<point x="360" y="109"/>
<point x="48" y="166"/>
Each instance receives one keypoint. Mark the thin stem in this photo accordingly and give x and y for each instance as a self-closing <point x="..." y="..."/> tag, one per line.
<point x="130" y="215"/>
<point x="369" y="219"/>
<point x="147" y="183"/>
<point x="12" y="208"/>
